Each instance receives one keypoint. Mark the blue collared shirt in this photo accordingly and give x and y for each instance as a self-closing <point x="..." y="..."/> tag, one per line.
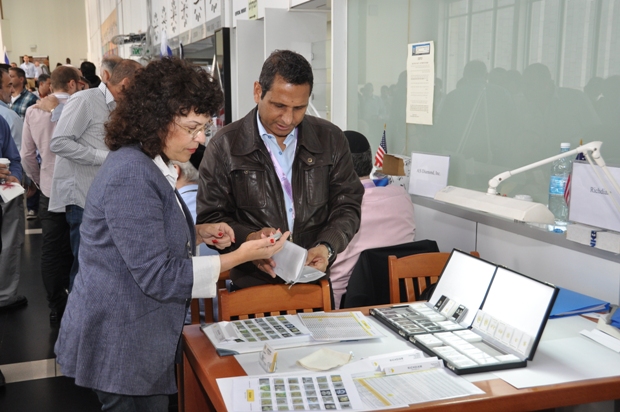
<point x="285" y="158"/>
<point x="15" y="123"/>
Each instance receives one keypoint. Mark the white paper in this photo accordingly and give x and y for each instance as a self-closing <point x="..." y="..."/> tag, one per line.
<point x="313" y="391"/>
<point x="429" y="174"/>
<point x="602" y="338"/>
<point x="564" y="360"/>
<point x="9" y="191"/>
<point x="589" y="201"/>
<point x="382" y="391"/>
<point x="338" y="326"/>
<point x="252" y="337"/>
<point x="420" y="82"/>
<point x="325" y="359"/>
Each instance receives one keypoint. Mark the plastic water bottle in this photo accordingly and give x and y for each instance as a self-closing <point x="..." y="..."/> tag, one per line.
<point x="560" y="171"/>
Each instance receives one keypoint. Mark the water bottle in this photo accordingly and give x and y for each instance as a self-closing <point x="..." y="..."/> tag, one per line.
<point x="560" y="170"/>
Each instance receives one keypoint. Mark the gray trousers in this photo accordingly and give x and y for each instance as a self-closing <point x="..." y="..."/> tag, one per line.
<point x="12" y="233"/>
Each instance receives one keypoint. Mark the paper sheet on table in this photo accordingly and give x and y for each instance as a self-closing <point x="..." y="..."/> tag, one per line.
<point x="383" y="391"/>
<point x="602" y="338"/>
<point x="324" y="359"/>
<point x="564" y="360"/>
<point x="338" y="326"/>
<point x="310" y="391"/>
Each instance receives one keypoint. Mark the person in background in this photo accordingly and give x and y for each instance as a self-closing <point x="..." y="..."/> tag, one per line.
<point x="43" y="89"/>
<point x="107" y="65"/>
<point x="21" y="98"/>
<point x="13" y="230"/>
<point x="15" y="122"/>
<point x="2" y="379"/>
<point x="56" y="256"/>
<point x="30" y="71"/>
<point x="122" y="327"/>
<point x="18" y="103"/>
<point x="187" y="186"/>
<point x="80" y="149"/>
<point x="89" y="71"/>
<point x="279" y="169"/>
<point x="387" y="217"/>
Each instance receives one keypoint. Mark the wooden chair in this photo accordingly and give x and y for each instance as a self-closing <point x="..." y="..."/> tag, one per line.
<point x="208" y="302"/>
<point x="271" y="300"/>
<point x="425" y="268"/>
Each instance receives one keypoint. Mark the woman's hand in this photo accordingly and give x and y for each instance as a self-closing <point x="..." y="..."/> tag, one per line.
<point x="219" y="235"/>
<point x="253" y="250"/>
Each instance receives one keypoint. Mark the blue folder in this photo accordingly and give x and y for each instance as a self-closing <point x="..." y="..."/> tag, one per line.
<point x="571" y="303"/>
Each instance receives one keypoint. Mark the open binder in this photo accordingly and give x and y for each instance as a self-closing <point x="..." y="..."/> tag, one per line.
<point x="502" y="332"/>
<point x="461" y="288"/>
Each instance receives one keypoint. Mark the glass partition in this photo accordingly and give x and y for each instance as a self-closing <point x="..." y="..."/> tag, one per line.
<point x="514" y="79"/>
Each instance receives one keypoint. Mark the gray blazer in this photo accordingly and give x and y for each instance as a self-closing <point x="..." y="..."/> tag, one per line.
<point x="123" y="321"/>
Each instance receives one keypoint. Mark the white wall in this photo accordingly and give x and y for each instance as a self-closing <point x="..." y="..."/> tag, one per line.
<point x="57" y="28"/>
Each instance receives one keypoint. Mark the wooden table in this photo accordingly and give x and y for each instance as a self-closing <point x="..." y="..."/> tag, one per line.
<point x="198" y="389"/>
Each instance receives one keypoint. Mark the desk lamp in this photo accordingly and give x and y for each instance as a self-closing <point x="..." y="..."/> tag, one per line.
<point x="520" y="210"/>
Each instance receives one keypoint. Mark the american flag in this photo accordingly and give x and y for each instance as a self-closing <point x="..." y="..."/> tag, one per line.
<point x="381" y="151"/>
<point x="567" y="190"/>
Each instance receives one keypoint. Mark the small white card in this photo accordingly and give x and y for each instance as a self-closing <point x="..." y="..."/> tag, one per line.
<point x="396" y="358"/>
<point x="590" y="203"/>
<point x="429" y="174"/>
<point x="268" y="358"/>
<point x="413" y="366"/>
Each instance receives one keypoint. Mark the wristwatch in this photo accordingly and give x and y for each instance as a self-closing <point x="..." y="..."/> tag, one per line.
<point x="331" y="255"/>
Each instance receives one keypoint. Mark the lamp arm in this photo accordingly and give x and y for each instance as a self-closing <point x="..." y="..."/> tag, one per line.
<point x="592" y="148"/>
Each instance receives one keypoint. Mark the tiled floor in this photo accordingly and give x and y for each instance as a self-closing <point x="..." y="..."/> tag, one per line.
<point x="27" y="348"/>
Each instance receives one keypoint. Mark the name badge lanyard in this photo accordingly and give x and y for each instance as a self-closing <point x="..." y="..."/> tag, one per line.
<point x="286" y="184"/>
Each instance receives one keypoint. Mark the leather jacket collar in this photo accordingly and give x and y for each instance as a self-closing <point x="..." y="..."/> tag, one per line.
<point x="306" y="137"/>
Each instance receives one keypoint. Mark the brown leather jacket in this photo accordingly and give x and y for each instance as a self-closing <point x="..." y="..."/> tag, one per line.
<point x="238" y="185"/>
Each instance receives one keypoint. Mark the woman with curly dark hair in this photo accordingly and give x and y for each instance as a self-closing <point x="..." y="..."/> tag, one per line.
<point x="122" y="325"/>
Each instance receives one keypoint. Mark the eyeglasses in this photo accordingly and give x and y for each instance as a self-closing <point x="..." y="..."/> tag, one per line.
<point x="194" y="132"/>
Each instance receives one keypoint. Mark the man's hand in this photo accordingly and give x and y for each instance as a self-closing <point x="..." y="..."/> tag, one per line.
<point x="48" y="103"/>
<point x="219" y="235"/>
<point x="265" y="265"/>
<point x="318" y="258"/>
<point x="5" y="175"/>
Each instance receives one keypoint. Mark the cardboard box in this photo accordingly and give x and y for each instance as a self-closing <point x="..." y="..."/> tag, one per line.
<point x="595" y="237"/>
<point x="397" y="168"/>
<point x="396" y="165"/>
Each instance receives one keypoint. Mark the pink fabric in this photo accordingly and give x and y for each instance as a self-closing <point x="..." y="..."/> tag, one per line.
<point x="37" y="134"/>
<point x="387" y="220"/>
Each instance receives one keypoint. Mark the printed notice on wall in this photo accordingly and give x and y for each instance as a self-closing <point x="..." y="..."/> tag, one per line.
<point x="420" y="82"/>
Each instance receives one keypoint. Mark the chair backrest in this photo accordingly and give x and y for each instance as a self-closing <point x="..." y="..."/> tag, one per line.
<point x="425" y="268"/>
<point x="272" y="300"/>
<point x="210" y="317"/>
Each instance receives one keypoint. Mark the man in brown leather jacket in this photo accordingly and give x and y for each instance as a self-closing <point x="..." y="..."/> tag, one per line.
<point x="277" y="168"/>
